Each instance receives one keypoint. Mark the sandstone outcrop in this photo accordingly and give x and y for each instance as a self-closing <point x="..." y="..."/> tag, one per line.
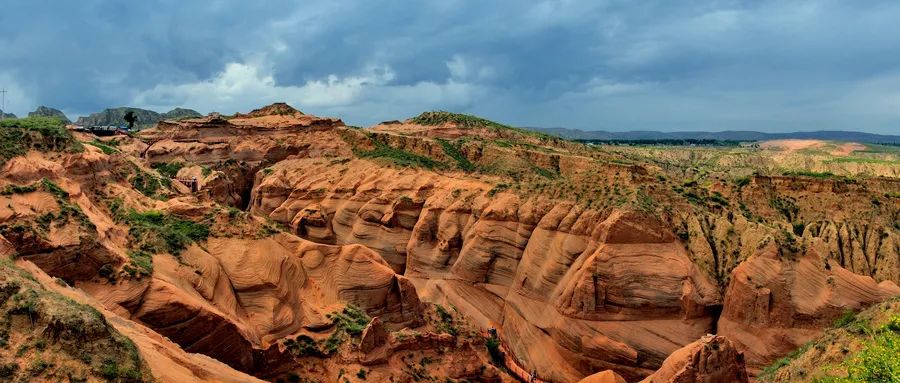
<point x="712" y="359"/>
<point x="607" y="376"/>
<point x="774" y="303"/>
<point x="439" y="228"/>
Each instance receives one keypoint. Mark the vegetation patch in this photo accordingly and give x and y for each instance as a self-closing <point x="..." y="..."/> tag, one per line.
<point x="63" y="334"/>
<point x="140" y="263"/>
<point x="460" y="120"/>
<point x="148" y="184"/>
<point x="769" y="371"/>
<point x="818" y="175"/>
<point x="17" y="189"/>
<point x="348" y="323"/>
<point x="106" y="149"/>
<point x="447" y="323"/>
<point x="398" y="156"/>
<point x="168" y="169"/>
<point x="156" y="232"/>
<point x="46" y="134"/>
<point x="453" y="150"/>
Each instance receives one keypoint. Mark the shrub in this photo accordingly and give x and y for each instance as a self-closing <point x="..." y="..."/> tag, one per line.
<point x="447" y="323"/>
<point x="493" y="347"/>
<point x="303" y="345"/>
<point x="496" y="189"/>
<point x="16" y="189"/>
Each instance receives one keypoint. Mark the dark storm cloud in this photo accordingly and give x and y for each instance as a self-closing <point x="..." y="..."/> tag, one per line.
<point x="586" y="64"/>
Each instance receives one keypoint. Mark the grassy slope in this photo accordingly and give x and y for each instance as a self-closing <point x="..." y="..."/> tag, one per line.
<point x="863" y="347"/>
<point x="47" y="337"/>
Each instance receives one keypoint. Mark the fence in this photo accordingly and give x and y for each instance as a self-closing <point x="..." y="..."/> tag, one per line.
<point x="190" y="183"/>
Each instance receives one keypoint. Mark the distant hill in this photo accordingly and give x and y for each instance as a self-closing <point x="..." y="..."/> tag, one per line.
<point x="731" y="135"/>
<point x="179" y="113"/>
<point x="46" y="111"/>
<point x="145" y="118"/>
<point x="7" y="115"/>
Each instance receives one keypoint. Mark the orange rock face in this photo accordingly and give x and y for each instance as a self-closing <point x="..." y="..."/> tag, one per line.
<point x="712" y="359"/>
<point x="775" y="304"/>
<point x="607" y="376"/>
<point x="334" y="251"/>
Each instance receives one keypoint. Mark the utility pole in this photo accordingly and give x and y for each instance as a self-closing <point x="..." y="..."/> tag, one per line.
<point x="2" y="103"/>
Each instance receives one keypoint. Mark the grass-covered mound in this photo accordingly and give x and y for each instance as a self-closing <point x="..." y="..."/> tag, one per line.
<point x="17" y="136"/>
<point x="45" y="336"/>
<point x="469" y="121"/>
<point x="460" y="120"/>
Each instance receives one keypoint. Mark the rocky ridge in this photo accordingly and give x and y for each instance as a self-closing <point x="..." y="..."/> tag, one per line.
<point x="327" y="248"/>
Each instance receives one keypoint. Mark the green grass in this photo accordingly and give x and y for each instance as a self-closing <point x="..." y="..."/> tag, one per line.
<point x="156" y="232"/>
<point x="66" y="210"/>
<point x="769" y="372"/>
<point x="818" y="175"/>
<point x="441" y="117"/>
<point x="460" y="120"/>
<point x="106" y="149"/>
<point x="846" y="319"/>
<point x="447" y="324"/>
<point x="862" y="160"/>
<point x="168" y="169"/>
<point x="141" y="263"/>
<point x="878" y="359"/>
<point x="46" y="134"/>
<point x="348" y="323"/>
<point x="148" y="184"/>
<point x="453" y="150"/>
<point x="16" y="189"/>
<point x="398" y="156"/>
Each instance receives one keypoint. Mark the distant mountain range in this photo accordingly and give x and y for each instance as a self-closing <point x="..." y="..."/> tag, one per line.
<point x="731" y="135"/>
<point x="115" y="116"/>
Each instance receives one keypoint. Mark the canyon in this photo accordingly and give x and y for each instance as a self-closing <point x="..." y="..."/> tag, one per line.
<point x="282" y="246"/>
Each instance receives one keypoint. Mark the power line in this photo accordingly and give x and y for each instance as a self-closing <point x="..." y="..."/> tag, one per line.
<point x="2" y="103"/>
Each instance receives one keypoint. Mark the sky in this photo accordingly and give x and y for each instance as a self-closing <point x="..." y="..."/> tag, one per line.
<point x="769" y="66"/>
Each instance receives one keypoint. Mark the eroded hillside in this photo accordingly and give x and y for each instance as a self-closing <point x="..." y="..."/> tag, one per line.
<point x="289" y="246"/>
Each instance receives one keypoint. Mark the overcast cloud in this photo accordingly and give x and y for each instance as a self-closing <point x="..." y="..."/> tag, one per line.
<point x="612" y="65"/>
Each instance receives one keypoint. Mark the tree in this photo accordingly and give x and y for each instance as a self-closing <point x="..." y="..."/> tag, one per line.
<point x="130" y="118"/>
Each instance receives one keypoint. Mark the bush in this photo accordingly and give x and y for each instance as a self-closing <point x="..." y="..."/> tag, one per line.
<point x="447" y="324"/>
<point x="16" y="189"/>
<point x="493" y="347"/>
<point x="303" y="345"/>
